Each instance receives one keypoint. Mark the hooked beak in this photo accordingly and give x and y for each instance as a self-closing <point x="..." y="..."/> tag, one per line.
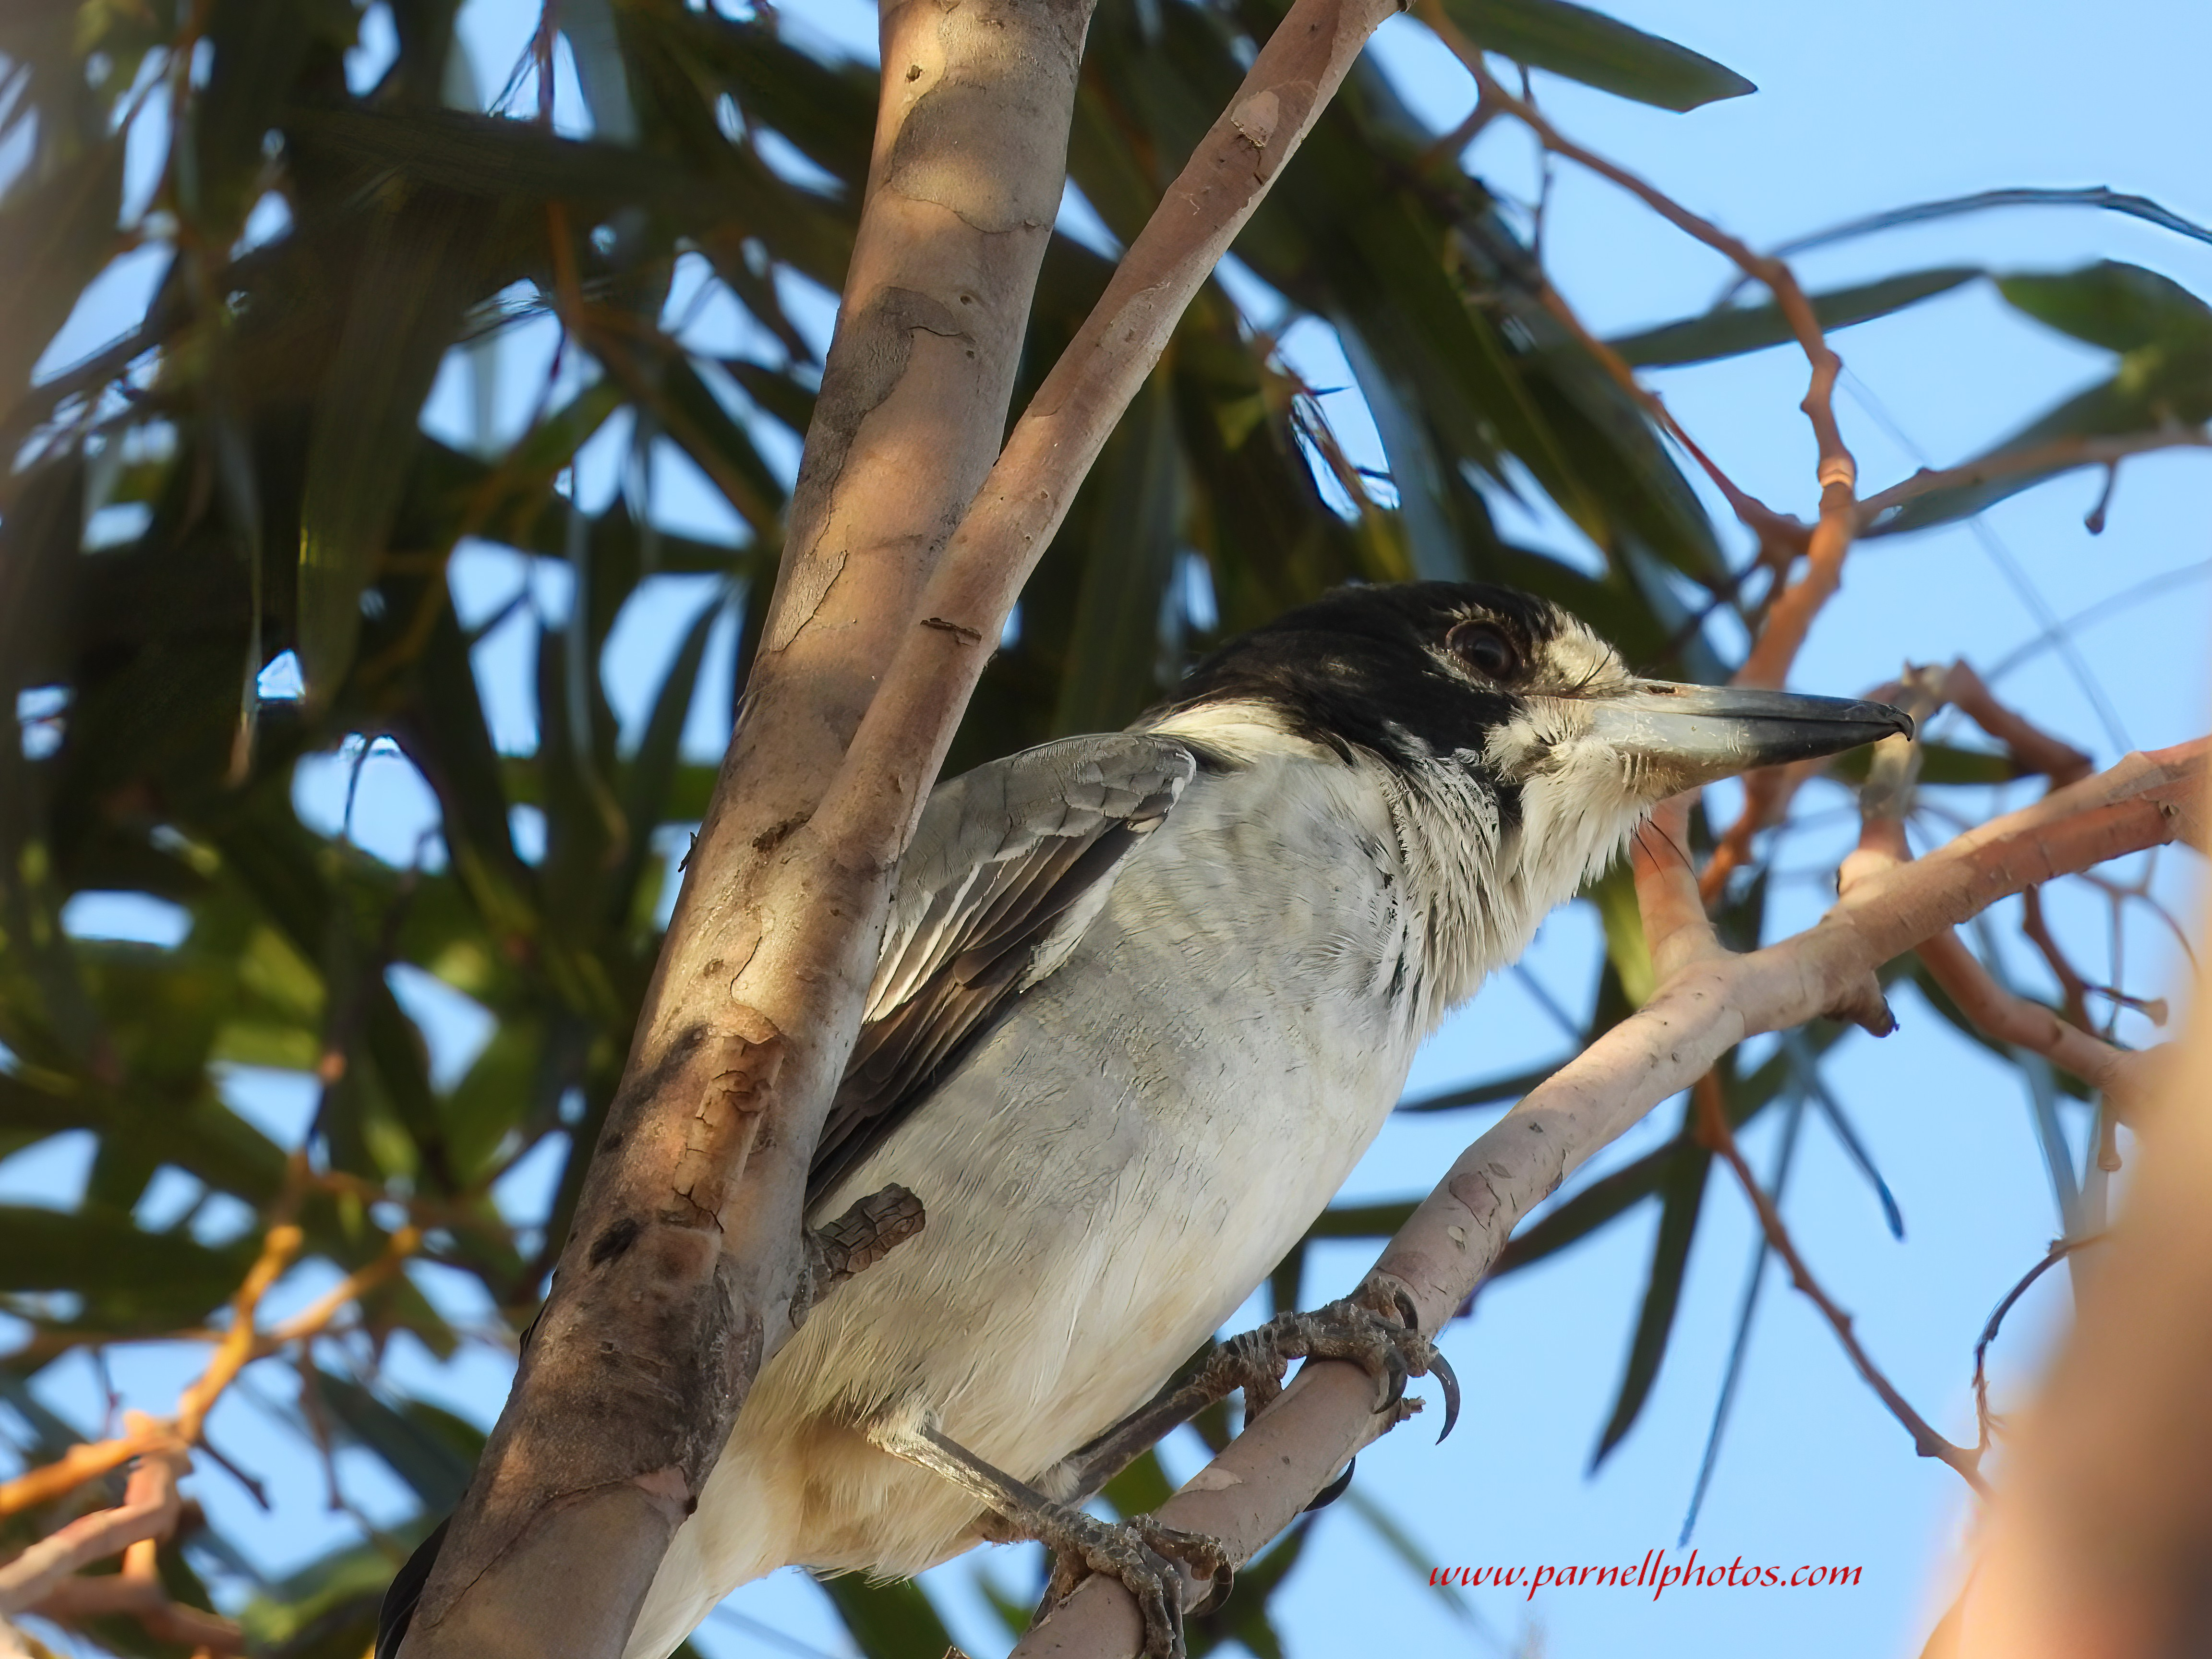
<point x="1687" y="735"/>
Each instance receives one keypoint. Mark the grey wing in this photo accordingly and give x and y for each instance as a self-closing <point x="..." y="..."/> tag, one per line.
<point x="1009" y="864"/>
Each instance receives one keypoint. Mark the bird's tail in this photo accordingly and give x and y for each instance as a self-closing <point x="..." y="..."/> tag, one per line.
<point x="734" y="1535"/>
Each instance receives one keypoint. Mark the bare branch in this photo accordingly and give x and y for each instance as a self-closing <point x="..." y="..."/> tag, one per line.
<point x="2072" y="989"/>
<point x="1995" y="1011"/>
<point x="40" y="1580"/>
<point x="148" y="1509"/>
<point x="2031" y="745"/>
<point x="150" y="1437"/>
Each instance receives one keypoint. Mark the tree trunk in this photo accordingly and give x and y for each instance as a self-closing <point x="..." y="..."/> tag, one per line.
<point x="679" y="1276"/>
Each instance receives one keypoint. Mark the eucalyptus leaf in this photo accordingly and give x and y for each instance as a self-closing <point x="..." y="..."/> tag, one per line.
<point x="1733" y="330"/>
<point x="1681" y="1186"/>
<point x="2120" y="307"/>
<point x="1598" y="51"/>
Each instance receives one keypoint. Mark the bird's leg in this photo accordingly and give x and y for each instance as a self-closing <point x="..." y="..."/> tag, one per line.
<point x="1138" y="1551"/>
<point x="1356" y="1329"/>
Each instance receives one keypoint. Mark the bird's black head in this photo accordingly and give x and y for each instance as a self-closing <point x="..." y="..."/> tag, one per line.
<point x="1512" y="688"/>
<point x="1407" y="672"/>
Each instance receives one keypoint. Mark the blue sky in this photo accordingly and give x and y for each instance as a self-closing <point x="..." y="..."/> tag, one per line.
<point x="1890" y="104"/>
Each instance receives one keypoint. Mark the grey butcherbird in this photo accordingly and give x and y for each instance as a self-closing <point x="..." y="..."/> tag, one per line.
<point x="1142" y="1002"/>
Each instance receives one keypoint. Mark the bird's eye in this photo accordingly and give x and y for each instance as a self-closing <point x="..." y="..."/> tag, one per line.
<point x="1484" y="648"/>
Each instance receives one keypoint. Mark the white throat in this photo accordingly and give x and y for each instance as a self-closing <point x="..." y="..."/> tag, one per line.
<point x="1486" y="885"/>
<point x="1474" y="888"/>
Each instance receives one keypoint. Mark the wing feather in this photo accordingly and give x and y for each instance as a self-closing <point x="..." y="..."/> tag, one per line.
<point x="1008" y="866"/>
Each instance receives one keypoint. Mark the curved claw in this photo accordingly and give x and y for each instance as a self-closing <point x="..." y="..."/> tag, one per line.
<point x="1395" y="1390"/>
<point x="1334" y="1490"/>
<point x="1405" y="1305"/>
<point x="1449" y="1380"/>
<point x="1224" y="1580"/>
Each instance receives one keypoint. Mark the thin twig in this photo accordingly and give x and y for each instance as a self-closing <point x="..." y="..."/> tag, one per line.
<point x="2035" y="748"/>
<point x="2059" y="1250"/>
<point x="1993" y="1009"/>
<point x="42" y="1580"/>
<point x="1771" y="527"/>
<point x="148" y="1509"/>
<point x="1451" y="145"/>
<point x="238" y="1346"/>
<point x="2072" y="989"/>
<point x="1714" y="1134"/>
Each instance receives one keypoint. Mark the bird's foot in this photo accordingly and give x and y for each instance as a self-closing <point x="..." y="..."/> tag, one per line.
<point x="1385" y="1341"/>
<point x="1140" y="1553"/>
<point x="1137" y="1552"/>
<point x="1375" y="1329"/>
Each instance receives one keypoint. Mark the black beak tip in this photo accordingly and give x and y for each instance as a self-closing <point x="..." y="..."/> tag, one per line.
<point x="1899" y="723"/>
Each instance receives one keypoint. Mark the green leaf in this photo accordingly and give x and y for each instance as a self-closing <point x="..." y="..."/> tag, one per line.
<point x="2156" y="387"/>
<point x="1614" y="895"/>
<point x="1246" y="1618"/>
<point x="432" y="1451"/>
<point x="1639" y="506"/>
<point x="327" y="1609"/>
<point x="648" y="779"/>
<point x="442" y="730"/>
<point x="59" y="232"/>
<point x="722" y="447"/>
<point x="1411" y="1553"/>
<point x="1112" y="670"/>
<point x="51" y="1434"/>
<point x="1921" y="213"/>
<point x="2164" y="335"/>
<point x="1286" y="1284"/>
<point x="1487" y="1092"/>
<point x="1733" y="330"/>
<point x="257" y="53"/>
<point x="1682" y="1189"/>
<point x="491" y="1100"/>
<point x="1602" y="1200"/>
<point x="778" y="395"/>
<point x="2122" y="307"/>
<point x="827" y="110"/>
<point x="126" y="1276"/>
<point x="416" y="278"/>
<point x="889" y="1620"/>
<point x="1940" y="763"/>
<point x="552" y="443"/>
<point x="1140" y="1488"/>
<point x="1598" y="51"/>
<point x="476" y="155"/>
<point x="1362" y="1220"/>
